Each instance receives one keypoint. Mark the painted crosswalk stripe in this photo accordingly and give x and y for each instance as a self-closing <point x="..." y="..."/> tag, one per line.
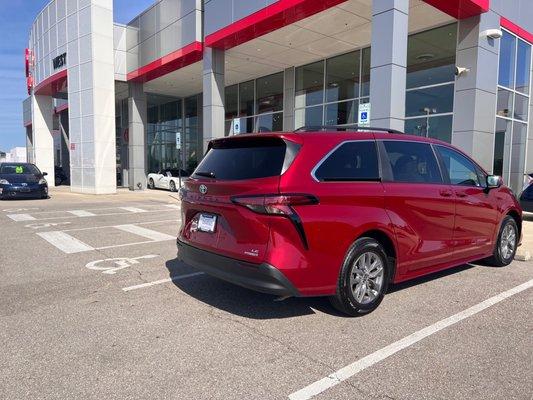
<point x="81" y="213"/>
<point x="133" y="209"/>
<point x="173" y="279"/>
<point x="144" y="232"/>
<point x="65" y="242"/>
<point x="21" y="217"/>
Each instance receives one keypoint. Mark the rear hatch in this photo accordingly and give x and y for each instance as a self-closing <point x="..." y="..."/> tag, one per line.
<point x="238" y="167"/>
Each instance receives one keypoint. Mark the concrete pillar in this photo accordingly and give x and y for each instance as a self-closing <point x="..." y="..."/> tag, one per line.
<point x="43" y="141"/>
<point x="29" y="144"/>
<point x="288" y="100"/>
<point x="91" y="96"/>
<point x="476" y="90"/>
<point x="213" y="95"/>
<point x="388" y="63"/>
<point x="137" y="114"/>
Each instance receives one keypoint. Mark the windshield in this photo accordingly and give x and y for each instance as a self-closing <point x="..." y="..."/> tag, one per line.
<point x="19" y="169"/>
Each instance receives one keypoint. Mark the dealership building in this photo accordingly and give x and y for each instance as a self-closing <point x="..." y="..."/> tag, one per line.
<point x="111" y="103"/>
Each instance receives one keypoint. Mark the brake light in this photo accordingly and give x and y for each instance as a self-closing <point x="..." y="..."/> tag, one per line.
<point x="275" y="204"/>
<point x="281" y="205"/>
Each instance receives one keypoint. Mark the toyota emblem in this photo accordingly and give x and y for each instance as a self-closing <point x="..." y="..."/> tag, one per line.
<point x="203" y="189"/>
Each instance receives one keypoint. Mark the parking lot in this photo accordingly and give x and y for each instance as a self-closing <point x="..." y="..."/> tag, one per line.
<point x="93" y="304"/>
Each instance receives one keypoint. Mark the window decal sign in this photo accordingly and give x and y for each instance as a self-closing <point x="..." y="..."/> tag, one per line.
<point x="19" y="169"/>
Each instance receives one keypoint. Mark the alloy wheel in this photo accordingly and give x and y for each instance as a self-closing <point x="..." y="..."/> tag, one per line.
<point x="508" y="242"/>
<point x="366" y="277"/>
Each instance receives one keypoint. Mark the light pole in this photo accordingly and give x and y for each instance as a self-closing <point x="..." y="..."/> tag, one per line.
<point x="428" y="112"/>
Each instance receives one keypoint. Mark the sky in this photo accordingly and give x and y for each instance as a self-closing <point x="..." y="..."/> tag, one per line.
<point x="16" y="18"/>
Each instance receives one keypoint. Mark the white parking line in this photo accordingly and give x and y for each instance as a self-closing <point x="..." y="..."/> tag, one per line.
<point x="65" y="242"/>
<point x="174" y="279"/>
<point x="347" y="372"/>
<point x="173" y="206"/>
<point x="81" y="213"/>
<point x="144" y="232"/>
<point x="133" y="209"/>
<point x="21" y="217"/>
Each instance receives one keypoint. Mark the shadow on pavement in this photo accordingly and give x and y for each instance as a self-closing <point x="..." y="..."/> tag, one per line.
<point x="243" y="302"/>
<point x="250" y="304"/>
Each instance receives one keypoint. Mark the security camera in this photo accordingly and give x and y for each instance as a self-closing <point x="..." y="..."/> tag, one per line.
<point x="492" y="33"/>
<point x="460" y="71"/>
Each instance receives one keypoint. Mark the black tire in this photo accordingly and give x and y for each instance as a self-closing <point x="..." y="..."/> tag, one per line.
<point x="172" y="186"/>
<point x="151" y="184"/>
<point x="344" y="300"/>
<point x="499" y="259"/>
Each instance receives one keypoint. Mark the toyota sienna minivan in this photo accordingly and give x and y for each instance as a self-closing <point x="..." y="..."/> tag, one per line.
<point x="340" y="213"/>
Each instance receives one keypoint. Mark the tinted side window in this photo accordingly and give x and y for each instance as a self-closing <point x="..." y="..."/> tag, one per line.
<point x="412" y="162"/>
<point x="460" y="169"/>
<point x="352" y="161"/>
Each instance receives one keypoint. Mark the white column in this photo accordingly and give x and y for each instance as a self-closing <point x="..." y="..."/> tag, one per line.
<point x="136" y="149"/>
<point x="213" y="95"/>
<point x="91" y="94"/>
<point x="43" y="142"/>
<point x="475" y="89"/>
<point x="388" y="64"/>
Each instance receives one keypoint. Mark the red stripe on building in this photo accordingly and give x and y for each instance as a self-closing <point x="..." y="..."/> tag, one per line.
<point x="169" y="63"/>
<point x="27" y="123"/>
<point x="461" y="9"/>
<point x="52" y="84"/>
<point x="266" y="20"/>
<point x="518" y="31"/>
<point x="61" y="108"/>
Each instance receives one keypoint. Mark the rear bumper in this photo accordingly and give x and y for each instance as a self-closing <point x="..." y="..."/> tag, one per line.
<point x="259" y="277"/>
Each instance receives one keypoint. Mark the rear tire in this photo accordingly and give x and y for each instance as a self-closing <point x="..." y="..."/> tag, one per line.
<point x="172" y="186"/>
<point x="151" y="184"/>
<point x="363" y="279"/>
<point x="506" y="244"/>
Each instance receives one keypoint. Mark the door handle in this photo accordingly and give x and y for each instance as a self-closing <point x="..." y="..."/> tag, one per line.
<point x="461" y="194"/>
<point x="445" y="193"/>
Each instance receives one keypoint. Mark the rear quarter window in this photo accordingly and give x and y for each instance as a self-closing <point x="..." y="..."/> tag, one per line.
<point x="351" y="161"/>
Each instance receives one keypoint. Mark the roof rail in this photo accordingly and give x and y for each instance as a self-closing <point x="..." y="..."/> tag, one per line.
<point x="351" y="127"/>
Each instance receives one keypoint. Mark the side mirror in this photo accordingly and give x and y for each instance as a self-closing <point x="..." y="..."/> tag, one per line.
<point x="45" y="173"/>
<point x="494" y="181"/>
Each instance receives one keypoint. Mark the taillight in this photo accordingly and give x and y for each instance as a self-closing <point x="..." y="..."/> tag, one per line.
<point x="275" y="204"/>
<point x="281" y="205"/>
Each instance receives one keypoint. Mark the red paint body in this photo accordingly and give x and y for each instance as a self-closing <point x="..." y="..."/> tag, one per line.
<point x="431" y="226"/>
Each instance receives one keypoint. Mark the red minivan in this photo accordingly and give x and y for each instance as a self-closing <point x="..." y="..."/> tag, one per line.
<point x="341" y="213"/>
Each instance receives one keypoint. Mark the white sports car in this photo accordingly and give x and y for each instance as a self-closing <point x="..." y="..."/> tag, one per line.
<point x="166" y="179"/>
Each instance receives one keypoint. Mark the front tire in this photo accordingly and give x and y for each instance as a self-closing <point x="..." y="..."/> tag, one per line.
<point x="151" y="184"/>
<point x="506" y="244"/>
<point x="363" y="279"/>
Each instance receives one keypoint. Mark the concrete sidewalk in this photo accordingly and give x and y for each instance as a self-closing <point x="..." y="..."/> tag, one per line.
<point x="525" y="251"/>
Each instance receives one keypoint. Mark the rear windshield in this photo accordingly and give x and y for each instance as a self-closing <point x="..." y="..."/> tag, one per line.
<point x="21" y="169"/>
<point x="243" y="159"/>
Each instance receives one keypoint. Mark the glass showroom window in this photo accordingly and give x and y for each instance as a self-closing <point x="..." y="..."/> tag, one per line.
<point x="164" y="122"/>
<point x="431" y="82"/>
<point x="512" y="110"/>
<point x="257" y="103"/>
<point x="192" y="139"/>
<point x="329" y="91"/>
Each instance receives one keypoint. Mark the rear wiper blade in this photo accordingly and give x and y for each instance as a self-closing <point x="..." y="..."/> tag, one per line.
<point x="206" y="174"/>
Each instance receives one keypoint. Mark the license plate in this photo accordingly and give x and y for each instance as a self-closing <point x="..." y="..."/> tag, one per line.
<point x="207" y="222"/>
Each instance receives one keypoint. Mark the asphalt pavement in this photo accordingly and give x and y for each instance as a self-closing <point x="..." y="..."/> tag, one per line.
<point x="93" y="304"/>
